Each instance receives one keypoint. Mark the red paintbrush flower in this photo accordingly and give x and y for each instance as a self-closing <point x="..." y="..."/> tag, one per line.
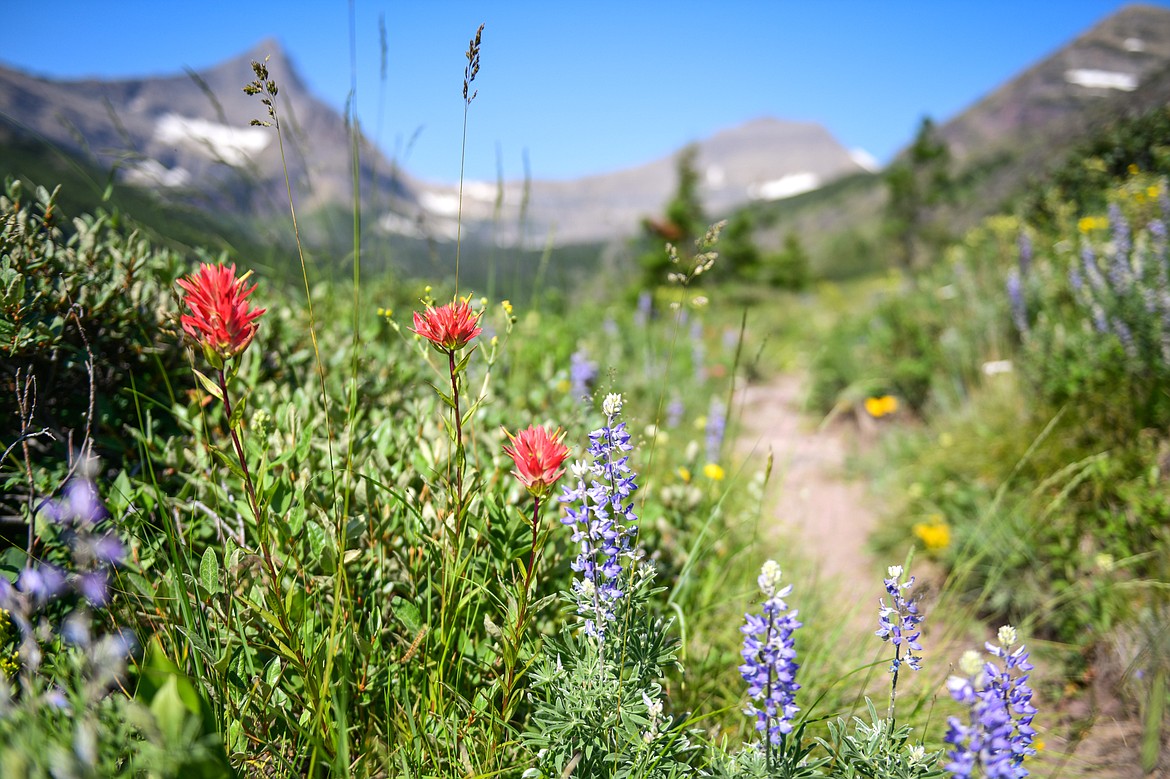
<point x="538" y="455"/>
<point x="448" y="327"/>
<point x="222" y="320"/>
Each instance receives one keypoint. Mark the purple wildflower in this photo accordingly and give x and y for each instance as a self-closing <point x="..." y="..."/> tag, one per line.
<point x="898" y="622"/>
<point x="602" y="517"/>
<point x="716" y="427"/>
<point x="582" y="374"/>
<point x="998" y="733"/>
<point x="769" y="655"/>
<point x="1122" y="240"/>
<point x="674" y="411"/>
<point x="645" y="307"/>
<point x="1016" y="299"/>
<point x="1025" y="248"/>
<point x="698" y="351"/>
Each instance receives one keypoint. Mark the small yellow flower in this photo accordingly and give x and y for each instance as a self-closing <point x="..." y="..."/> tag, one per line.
<point x="880" y="407"/>
<point x="563" y="385"/>
<point x="507" y="306"/>
<point x="700" y="423"/>
<point x="1132" y="169"/>
<point x="1152" y="191"/>
<point x="713" y="471"/>
<point x="935" y="534"/>
<point x="1087" y="224"/>
<point x="684" y="474"/>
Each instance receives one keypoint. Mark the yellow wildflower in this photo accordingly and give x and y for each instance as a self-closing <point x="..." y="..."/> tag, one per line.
<point x="1087" y="224"/>
<point x="507" y="306"/>
<point x="1152" y="191"/>
<point x="563" y="385"/>
<point x="880" y="407"/>
<point x="1132" y="169"/>
<point x="713" y="471"/>
<point x="935" y="534"/>
<point x="684" y="474"/>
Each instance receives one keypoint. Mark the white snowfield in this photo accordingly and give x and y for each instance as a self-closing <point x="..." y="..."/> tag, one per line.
<point x="233" y="145"/>
<point x="785" y="186"/>
<point x="1101" y="79"/>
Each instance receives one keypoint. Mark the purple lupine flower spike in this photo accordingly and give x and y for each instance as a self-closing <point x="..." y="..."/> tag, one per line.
<point x="769" y="656"/>
<point x="603" y="520"/>
<point x="998" y="734"/>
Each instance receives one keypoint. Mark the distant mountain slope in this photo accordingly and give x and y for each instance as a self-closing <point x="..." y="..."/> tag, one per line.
<point x="1014" y="136"/>
<point x="1063" y="95"/>
<point x="190" y="135"/>
<point x="188" y="138"/>
<point x="764" y="159"/>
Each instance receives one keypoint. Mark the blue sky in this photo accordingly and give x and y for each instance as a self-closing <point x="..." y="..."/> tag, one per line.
<point x="580" y="87"/>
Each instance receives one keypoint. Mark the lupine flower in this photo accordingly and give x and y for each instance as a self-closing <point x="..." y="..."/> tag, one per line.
<point x="449" y="327"/>
<point x="898" y="622"/>
<point x="602" y="517"/>
<point x="998" y="734"/>
<point x="674" y="411"/>
<point x="222" y="319"/>
<point x="769" y="655"/>
<point x="582" y="374"/>
<point x="1016" y="299"/>
<point x="698" y="351"/>
<point x="538" y="455"/>
<point x="1025" y="248"/>
<point x="716" y="427"/>
<point x="645" y="306"/>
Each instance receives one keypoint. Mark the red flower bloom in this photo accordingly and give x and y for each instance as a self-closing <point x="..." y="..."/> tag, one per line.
<point x="448" y="327"/>
<point x="538" y="455"/>
<point x="221" y="317"/>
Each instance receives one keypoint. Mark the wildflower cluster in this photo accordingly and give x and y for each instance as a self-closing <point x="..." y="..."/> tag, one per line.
<point x="998" y="734"/>
<point x="80" y="522"/>
<point x="602" y="516"/>
<point x="769" y="656"/>
<point x="898" y="622"/>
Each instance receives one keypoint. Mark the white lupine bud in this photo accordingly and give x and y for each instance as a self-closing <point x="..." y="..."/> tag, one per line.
<point x="769" y="578"/>
<point x="612" y="404"/>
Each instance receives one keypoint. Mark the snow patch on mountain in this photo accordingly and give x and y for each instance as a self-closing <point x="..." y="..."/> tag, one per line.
<point x="152" y="173"/>
<point x="785" y="186"/>
<point x="865" y="160"/>
<point x="1101" y="79"/>
<point x="233" y="145"/>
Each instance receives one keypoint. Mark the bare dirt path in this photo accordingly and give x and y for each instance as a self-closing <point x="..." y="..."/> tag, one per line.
<point x="813" y="504"/>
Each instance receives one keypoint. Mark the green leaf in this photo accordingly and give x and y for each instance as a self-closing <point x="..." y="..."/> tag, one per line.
<point x="209" y="571"/>
<point x="237" y="417"/>
<point x="209" y="386"/>
<point x="227" y="461"/>
<point x="408" y="614"/>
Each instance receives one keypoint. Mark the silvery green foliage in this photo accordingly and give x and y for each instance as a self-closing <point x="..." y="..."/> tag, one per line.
<point x="791" y="758"/>
<point x="878" y="749"/>
<point x="604" y="715"/>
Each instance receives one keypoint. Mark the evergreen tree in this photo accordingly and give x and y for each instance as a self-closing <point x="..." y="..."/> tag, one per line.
<point x="919" y="183"/>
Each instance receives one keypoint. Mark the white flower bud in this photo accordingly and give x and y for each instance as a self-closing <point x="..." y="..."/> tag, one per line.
<point x="612" y="404"/>
<point x="769" y="578"/>
<point x="1007" y="636"/>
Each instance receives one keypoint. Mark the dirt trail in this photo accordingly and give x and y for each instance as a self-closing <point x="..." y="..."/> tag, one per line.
<point x="813" y="504"/>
